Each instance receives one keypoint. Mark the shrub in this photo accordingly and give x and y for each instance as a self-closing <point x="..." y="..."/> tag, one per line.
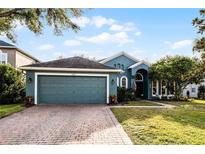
<point x="201" y="92"/>
<point x="12" y="84"/>
<point x="125" y="94"/>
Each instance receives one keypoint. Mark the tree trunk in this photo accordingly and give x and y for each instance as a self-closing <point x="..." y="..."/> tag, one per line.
<point x="178" y="92"/>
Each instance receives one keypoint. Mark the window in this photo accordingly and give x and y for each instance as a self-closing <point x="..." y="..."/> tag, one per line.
<point x="3" y="58"/>
<point x="193" y="90"/>
<point x="118" y="65"/>
<point x="163" y="87"/>
<point x="155" y="88"/>
<point x="122" y="67"/>
<point x="171" y="88"/>
<point x="117" y="81"/>
<point x="124" y="82"/>
<point x="139" y="77"/>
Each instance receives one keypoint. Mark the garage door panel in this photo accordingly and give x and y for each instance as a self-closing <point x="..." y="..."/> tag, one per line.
<point x="71" y="90"/>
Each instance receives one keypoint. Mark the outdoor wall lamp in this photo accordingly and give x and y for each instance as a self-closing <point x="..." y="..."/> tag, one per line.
<point x="29" y="80"/>
<point x="113" y="81"/>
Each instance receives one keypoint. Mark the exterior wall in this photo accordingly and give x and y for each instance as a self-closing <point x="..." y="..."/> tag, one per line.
<point x="11" y="55"/>
<point x="31" y="74"/>
<point x="23" y="60"/>
<point x="126" y="62"/>
<point x="189" y="88"/>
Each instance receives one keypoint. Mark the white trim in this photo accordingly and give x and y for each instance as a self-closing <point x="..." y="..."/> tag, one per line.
<point x="126" y="86"/>
<point x="157" y="87"/>
<point x="70" y="69"/>
<point x="139" y="63"/>
<point x="119" y="54"/>
<point x="118" y="84"/>
<point x="12" y="47"/>
<point x="67" y="74"/>
<point x="141" y="76"/>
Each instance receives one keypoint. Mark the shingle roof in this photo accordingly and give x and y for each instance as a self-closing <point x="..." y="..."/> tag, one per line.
<point x="72" y="62"/>
<point x="5" y="44"/>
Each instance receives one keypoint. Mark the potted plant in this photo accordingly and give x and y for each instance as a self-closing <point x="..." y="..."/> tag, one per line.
<point x="29" y="101"/>
<point x="113" y="99"/>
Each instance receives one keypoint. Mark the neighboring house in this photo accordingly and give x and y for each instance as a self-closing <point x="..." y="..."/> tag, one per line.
<point x="10" y="54"/>
<point x="192" y="89"/>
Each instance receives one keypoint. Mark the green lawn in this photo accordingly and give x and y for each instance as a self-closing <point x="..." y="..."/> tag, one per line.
<point x="198" y="101"/>
<point x="141" y="103"/>
<point x="182" y="125"/>
<point x="6" y="110"/>
<point x="192" y="103"/>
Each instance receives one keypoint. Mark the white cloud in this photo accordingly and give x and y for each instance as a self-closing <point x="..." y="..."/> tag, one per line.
<point x="125" y="27"/>
<point x="121" y="38"/>
<point x="45" y="47"/>
<point x="179" y="44"/>
<point x="81" y="21"/>
<point x="100" y="21"/>
<point x="72" y="43"/>
<point x="116" y="27"/>
<point x="182" y="44"/>
<point x="101" y="38"/>
<point x="138" y="33"/>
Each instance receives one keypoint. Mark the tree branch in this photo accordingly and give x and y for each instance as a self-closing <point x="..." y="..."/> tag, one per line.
<point x="9" y="13"/>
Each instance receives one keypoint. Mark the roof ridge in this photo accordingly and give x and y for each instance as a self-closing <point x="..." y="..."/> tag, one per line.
<point x="71" y="62"/>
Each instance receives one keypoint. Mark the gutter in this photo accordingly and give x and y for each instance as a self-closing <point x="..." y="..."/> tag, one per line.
<point x="71" y="69"/>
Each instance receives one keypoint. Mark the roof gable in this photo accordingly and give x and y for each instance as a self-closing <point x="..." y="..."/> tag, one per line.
<point x="118" y="55"/>
<point x="139" y="63"/>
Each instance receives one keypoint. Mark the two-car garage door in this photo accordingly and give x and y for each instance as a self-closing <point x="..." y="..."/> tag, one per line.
<point x="71" y="89"/>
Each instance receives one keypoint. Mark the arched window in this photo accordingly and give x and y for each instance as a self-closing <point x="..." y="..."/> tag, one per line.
<point x="139" y="77"/>
<point x="124" y="82"/>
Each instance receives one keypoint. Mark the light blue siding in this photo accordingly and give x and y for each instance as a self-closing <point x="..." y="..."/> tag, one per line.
<point x="126" y="62"/>
<point x="30" y="85"/>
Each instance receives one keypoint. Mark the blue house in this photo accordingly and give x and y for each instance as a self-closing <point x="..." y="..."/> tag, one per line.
<point x="78" y="80"/>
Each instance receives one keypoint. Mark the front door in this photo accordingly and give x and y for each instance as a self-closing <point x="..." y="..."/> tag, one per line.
<point x="139" y="89"/>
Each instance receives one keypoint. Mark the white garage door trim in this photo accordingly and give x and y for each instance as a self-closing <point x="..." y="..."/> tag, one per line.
<point x="67" y="74"/>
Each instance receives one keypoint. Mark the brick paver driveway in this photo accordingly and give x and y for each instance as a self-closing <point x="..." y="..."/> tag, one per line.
<point x="89" y="124"/>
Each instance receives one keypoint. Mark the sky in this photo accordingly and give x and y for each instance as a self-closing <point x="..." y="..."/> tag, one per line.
<point x="147" y="34"/>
